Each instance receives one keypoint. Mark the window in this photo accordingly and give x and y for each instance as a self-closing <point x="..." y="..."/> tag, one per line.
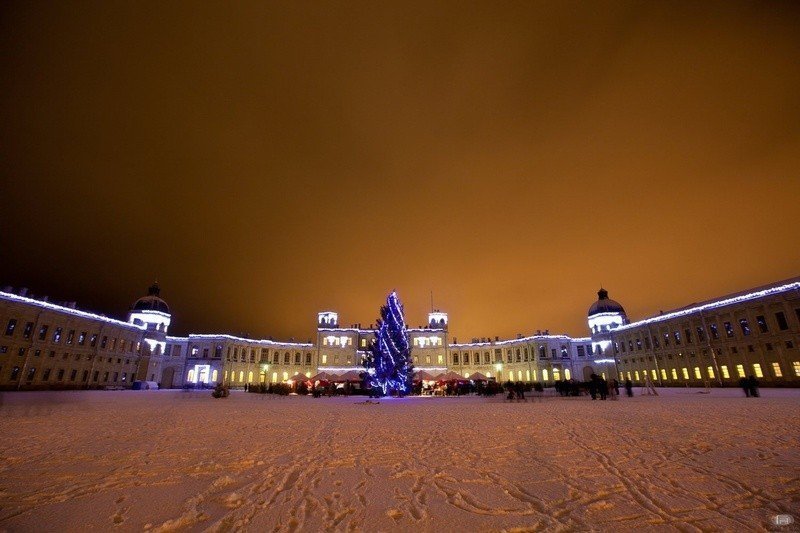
<point x="757" y="370"/>
<point x="70" y="336"/>
<point x="776" y="369"/>
<point x="745" y="326"/>
<point x="21" y="352"/>
<point x="674" y="373"/>
<point x="57" y="335"/>
<point x="740" y="371"/>
<point x="677" y="335"/>
<point x="710" y="371"/>
<point x="297" y="358"/>
<point x="701" y="334"/>
<point x="73" y="374"/>
<point x="714" y="332"/>
<point x="93" y="341"/>
<point x="688" y="333"/>
<point x="638" y="344"/>
<point x="724" y="370"/>
<point x="46" y="374"/>
<point x="666" y="339"/>
<point x="728" y="329"/>
<point x="553" y="352"/>
<point x="663" y="374"/>
<point x="286" y="358"/>
<point x="26" y="333"/>
<point x="685" y="372"/>
<point x="60" y="375"/>
<point x="14" y="373"/>
<point x="455" y="358"/>
<point x="308" y="358"/>
<point x="636" y="373"/>
<point x="581" y="351"/>
<point x="630" y="344"/>
<point x="780" y="318"/>
<point x="796" y="367"/>
<point x="789" y="345"/>
<point x="762" y="324"/>
<point x="466" y="358"/>
<point x="12" y="324"/>
<point x="647" y="343"/>
<point x="205" y="353"/>
<point x="564" y="352"/>
<point x="697" y="373"/>
<point x="656" y="344"/>
<point x="82" y="338"/>
<point x="104" y="341"/>
<point x="43" y="332"/>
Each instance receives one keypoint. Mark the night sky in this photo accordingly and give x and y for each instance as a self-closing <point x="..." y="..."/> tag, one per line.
<point x="267" y="161"/>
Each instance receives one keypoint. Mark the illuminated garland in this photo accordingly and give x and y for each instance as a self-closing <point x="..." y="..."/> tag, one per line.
<point x="388" y="362"/>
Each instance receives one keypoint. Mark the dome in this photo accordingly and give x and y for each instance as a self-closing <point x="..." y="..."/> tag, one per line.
<point x="605" y="305"/>
<point x="151" y="302"/>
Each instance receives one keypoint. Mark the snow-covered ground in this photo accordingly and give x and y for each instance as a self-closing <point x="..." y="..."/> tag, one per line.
<point x="167" y="460"/>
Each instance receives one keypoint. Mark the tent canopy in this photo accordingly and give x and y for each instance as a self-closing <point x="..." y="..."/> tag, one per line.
<point x="298" y="377"/>
<point x="451" y="376"/>
<point x="322" y="376"/>
<point x="422" y="375"/>
<point x="477" y="376"/>
<point x="351" y="375"/>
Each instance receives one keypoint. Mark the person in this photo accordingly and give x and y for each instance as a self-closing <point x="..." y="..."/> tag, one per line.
<point x="602" y="386"/>
<point x="752" y="385"/>
<point x="593" y="386"/>
<point x="629" y="388"/>
<point x="745" y="385"/>
<point x="649" y="388"/>
<point x="612" y="390"/>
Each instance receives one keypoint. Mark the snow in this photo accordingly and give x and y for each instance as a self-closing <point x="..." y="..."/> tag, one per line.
<point x="174" y="460"/>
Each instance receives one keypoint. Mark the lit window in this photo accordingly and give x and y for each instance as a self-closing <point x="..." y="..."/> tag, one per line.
<point x="757" y="370"/>
<point x="685" y="372"/>
<point x="12" y="323"/>
<point x="740" y="370"/>
<point x="697" y="373"/>
<point x="636" y="373"/>
<point x="653" y="372"/>
<point x="441" y="359"/>
<point x="796" y="367"/>
<point x="776" y="369"/>
<point x="724" y="370"/>
<point x="663" y="374"/>
<point x="567" y="374"/>
<point x="674" y="372"/>
<point x="710" y="372"/>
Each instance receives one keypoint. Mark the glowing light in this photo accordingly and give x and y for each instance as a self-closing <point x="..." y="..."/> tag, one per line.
<point x="714" y="305"/>
<point x="603" y="361"/>
<point x="69" y="310"/>
<point x="265" y="342"/>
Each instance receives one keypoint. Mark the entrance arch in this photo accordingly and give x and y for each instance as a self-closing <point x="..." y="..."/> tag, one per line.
<point x="587" y="373"/>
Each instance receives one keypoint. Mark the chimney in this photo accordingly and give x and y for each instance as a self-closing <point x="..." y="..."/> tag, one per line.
<point x="23" y="291"/>
<point x="496" y="338"/>
<point x="45" y="298"/>
<point x="72" y="305"/>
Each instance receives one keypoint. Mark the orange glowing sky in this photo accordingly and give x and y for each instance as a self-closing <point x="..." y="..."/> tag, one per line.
<point x="265" y="161"/>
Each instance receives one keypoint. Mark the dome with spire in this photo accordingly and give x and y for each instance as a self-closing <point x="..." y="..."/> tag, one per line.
<point x="605" y="305"/>
<point x="151" y="302"/>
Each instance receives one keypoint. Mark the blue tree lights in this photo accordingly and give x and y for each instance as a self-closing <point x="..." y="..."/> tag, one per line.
<point x="388" y="361"/>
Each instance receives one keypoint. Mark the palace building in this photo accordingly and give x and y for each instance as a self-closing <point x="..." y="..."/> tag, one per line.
<point x="713" y="343"/>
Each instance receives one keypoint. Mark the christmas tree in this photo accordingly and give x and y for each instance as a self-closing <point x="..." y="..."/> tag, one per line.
<point x="388" y="361"/>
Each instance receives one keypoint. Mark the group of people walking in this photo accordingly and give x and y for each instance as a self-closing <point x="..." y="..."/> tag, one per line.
<point x="750" y="386"/>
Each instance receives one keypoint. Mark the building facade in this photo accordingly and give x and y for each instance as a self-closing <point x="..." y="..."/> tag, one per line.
<point x="713" y="343"/>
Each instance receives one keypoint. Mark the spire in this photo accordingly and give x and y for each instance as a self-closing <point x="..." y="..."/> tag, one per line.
<point x="153" y="290"/>
<point x="602" y="294"/>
